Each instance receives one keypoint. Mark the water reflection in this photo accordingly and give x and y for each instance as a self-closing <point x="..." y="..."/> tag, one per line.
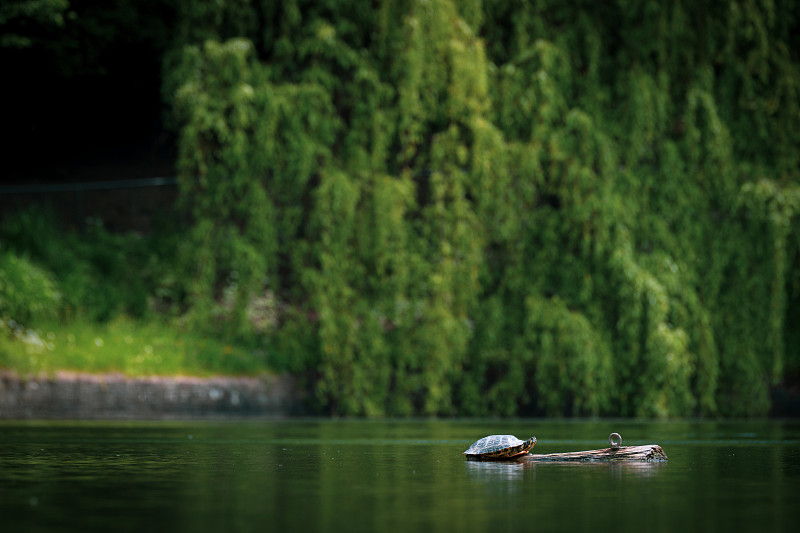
<point x="500" y="477"/>
<point x="616" y="469"/>
<point x="494" y="472"/>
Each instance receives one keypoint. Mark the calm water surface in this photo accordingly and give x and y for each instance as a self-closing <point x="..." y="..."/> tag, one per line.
<point x="328" y="475"/>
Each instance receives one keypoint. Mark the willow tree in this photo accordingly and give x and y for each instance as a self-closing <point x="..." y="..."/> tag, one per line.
<point x="499" y="207"/>
<point x="222" y="171"/>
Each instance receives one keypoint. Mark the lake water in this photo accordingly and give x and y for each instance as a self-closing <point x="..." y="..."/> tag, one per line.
<point x="354" y="475"/>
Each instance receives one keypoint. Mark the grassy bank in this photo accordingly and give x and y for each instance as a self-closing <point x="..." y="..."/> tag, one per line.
<point x="130" y="347"/>
<point x="97" y="301"/>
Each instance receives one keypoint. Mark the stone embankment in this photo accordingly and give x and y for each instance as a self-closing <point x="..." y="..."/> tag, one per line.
<point x="70" y="395"/>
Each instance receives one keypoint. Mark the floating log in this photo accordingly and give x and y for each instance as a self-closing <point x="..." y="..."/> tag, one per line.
<point x="647" y="452"/>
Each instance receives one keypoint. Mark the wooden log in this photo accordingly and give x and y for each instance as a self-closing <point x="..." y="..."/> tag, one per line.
<point x="647" y="452"/>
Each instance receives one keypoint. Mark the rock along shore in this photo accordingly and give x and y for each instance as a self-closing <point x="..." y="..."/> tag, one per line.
<point x="71" y="395"/>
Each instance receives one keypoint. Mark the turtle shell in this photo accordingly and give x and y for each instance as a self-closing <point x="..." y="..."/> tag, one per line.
<point x="499" y="447"/>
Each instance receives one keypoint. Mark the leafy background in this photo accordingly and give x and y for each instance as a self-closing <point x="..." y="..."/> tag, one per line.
<point x="474" y="208"/>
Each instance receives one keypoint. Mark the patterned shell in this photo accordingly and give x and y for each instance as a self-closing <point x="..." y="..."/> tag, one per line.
<point x="499" y="446"/>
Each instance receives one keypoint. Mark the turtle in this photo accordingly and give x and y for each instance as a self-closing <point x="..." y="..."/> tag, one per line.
<point x="499" y="447"/>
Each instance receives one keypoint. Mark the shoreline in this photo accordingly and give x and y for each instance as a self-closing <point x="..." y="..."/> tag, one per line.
<point x="77" y="395"/>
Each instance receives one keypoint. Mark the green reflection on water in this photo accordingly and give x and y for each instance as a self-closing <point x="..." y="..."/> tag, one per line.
<point x="331" y="475"/>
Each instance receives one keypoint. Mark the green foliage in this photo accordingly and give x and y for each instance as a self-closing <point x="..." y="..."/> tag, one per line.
<point x="97" y="274"/>
<point x="482" y="207"/>
<point x="232" y="243"/>
<point x="26" y="290"/>
<point x="21" y="21"/>
<point x="573" y="364"/>
<point x="503" y="207"/>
